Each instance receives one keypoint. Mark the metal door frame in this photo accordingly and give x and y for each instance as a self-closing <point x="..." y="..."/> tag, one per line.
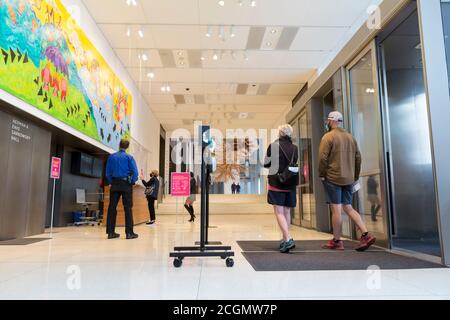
<point x="371" y="48"/>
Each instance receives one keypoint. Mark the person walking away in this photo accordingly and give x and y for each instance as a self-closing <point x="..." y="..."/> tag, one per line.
<point x="121" y="174"/>
<point x="339" y="169"/>
<point x="191" y="199"/>
<point x="238" y="188"/>
<point x="281" y="160"/>
<point x="151" y="192"/>
<point x="372" y="196"/>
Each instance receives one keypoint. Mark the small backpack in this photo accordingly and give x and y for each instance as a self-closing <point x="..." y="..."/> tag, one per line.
<point x="290" y="176"/>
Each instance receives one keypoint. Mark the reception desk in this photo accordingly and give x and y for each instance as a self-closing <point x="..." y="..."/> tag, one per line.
<point x="140" y="207"/>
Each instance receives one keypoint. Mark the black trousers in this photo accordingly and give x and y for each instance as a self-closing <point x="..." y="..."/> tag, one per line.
<point x="120" y="189"/>
<point x="151" y="208"/>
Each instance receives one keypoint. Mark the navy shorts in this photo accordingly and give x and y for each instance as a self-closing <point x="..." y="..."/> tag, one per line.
<point x="282" y="199"/>
<point x="338" y="194"/>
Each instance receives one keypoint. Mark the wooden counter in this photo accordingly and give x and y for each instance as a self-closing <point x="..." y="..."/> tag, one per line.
<point x="140" y="207"/>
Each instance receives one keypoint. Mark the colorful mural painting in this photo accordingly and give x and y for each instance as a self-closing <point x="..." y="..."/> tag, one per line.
<point x="48" y="61"/>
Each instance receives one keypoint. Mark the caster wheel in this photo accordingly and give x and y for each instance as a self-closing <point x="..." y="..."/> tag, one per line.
<point x="230" y="263"/>
<point x="177" y="263"/>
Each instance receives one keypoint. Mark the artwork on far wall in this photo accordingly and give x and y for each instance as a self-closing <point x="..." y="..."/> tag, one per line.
<point x="47" y="60"/>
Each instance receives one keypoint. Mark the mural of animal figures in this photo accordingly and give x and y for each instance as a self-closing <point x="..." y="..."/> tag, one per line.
<point x="47" y="60"/>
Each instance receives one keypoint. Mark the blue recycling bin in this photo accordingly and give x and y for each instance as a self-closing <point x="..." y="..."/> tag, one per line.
<point x="77" y="216"/>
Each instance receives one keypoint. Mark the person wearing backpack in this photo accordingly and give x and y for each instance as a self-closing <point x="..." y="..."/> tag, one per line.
<point x="151" y="193"/>
<point x="282" y="162"/>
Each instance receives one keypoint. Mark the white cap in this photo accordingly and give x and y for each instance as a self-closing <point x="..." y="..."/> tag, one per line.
<point x="336" y="116"/>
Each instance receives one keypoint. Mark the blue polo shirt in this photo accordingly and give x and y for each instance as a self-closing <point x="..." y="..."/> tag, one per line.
<point x="121" y="165"/>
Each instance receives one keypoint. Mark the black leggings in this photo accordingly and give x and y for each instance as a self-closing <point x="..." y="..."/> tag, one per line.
<point x="151" y="208"/>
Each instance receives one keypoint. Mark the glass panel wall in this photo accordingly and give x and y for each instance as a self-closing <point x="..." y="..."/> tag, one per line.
<point x="365" y="124"/>
<point x="306" y="193"/>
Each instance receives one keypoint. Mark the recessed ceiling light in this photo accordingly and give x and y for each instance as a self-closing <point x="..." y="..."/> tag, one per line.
<point x="168" y="89"/>
<point x="240" y="3"/>
<point x="151" y="75"/>
<point x="132" y="3"/>
<point x="215" y="57"/>
<point x="269" y="44"/>
<point x="253" y="3"/>
<point x="129" y="32"/>
<point x="202" y="58"/>
<point x="181" y="63"/>
<point x="180" y="53"/>
<point x="163" y="89"/>
<point x="141" y="33"/>
<point x="273" y="31"/>
<point x="221" y="3"/>
<point x="144" y="57"/>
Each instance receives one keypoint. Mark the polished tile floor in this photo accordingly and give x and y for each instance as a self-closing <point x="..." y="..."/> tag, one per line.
<point x="79" y="263"/>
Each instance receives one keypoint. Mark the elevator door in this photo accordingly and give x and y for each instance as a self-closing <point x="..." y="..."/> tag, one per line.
<point x="414" y="213"/>
<point x="366" y="128"/>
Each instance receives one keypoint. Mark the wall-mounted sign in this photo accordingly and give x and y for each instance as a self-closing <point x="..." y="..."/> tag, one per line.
<point x="181" y="184"/>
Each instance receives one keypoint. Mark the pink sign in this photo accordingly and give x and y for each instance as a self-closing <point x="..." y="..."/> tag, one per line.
<point x="56" y="168"/>
<point x="181" y="184"/>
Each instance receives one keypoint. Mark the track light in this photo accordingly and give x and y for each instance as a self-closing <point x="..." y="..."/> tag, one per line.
<point x="208" y="32"/>
<point x="232" y="33"/>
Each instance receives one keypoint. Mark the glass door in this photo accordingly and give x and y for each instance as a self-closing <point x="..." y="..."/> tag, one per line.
<point x="306" y="189"/>
<point x="365" y="123"/>
<point x="296" y="213"/>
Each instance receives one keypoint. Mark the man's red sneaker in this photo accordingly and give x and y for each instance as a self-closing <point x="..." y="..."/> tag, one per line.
<point x="333" y="245"/>
<point x="366" y="242"/>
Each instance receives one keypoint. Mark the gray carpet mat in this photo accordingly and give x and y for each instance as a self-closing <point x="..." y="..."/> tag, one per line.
<point x="309" y="256"/>
<point x="307" y="245"/>
<point x="22" y="242"/>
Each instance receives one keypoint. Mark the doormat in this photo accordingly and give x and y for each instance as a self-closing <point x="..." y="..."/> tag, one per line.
<point x="308" y="256"/>
<point x="22" y="242"/>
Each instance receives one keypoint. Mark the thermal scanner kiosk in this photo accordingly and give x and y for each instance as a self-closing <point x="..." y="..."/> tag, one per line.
<point x="204" y="248"/>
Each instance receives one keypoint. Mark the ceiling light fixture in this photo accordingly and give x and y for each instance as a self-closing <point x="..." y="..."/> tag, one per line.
<point x="128" y="32"/>
<point x="141" y="33"/>
<point x="253" y="3"/>
<point x="240" y="3"/>
<point x="132" y="3"/>
<point x="151" y="75"/>
<point x="215" y="57"/>
<point x="269" y="44"/>
<point x="144" y="57"/>
<point x="222" y="3"/>
<point x="232" y="33"/>
<point x="221" y="34"/>
<point x="273" y="31"/>
<point x="202" y="58"/>
<point x="208" y="32"/>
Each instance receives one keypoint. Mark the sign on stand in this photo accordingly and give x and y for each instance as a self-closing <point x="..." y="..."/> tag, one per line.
<point x="55" y="174"/>
<point x="180" y="186"/>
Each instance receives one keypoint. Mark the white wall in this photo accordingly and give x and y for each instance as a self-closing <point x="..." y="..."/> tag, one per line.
<point x="144" y="125"/>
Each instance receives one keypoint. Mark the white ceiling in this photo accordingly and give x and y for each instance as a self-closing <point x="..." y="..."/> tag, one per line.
<point x="258" y="71"/>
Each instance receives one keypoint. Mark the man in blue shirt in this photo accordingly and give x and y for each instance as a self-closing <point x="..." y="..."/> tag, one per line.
<point x="121" y="174"/>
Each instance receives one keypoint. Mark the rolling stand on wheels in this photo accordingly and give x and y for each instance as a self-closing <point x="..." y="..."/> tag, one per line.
<point x="204" y="249"/>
